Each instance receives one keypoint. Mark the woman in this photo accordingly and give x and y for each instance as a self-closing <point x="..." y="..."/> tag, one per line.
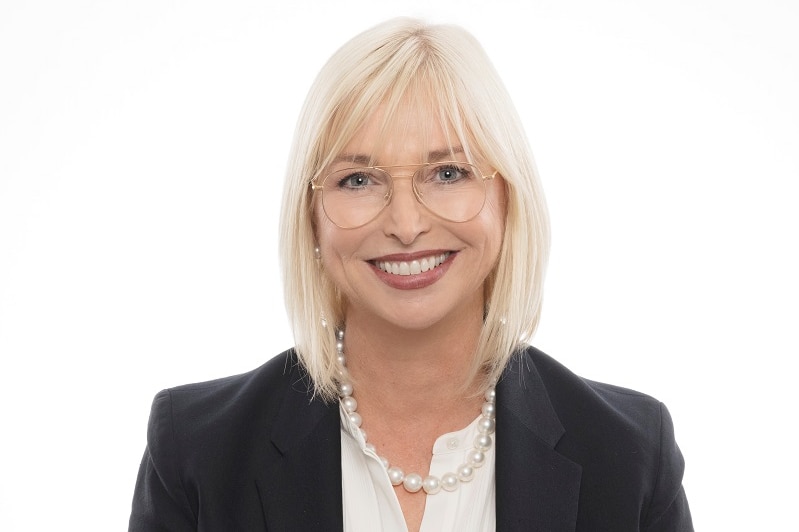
<point x="414" y="239"/>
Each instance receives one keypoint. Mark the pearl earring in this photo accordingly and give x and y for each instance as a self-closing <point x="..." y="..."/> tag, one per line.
<point x="317" y="253"/>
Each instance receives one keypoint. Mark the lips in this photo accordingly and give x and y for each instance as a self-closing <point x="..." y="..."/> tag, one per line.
<point x="412" y="267"/>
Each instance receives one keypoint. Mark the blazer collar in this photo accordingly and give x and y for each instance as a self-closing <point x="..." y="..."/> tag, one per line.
<point x="536" y="487"/>
<point x="300" y="487"/>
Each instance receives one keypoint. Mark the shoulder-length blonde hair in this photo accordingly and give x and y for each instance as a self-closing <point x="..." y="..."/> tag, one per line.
<point x="401" y="59"/>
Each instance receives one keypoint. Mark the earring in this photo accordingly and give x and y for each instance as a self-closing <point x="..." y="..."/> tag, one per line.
<point x="317" y="253"/>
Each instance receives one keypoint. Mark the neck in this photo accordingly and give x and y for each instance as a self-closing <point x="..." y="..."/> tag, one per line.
<point x="423" y="367"/>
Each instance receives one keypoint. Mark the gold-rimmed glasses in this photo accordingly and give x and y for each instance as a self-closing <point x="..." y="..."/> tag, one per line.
<point x="452" y="190"/>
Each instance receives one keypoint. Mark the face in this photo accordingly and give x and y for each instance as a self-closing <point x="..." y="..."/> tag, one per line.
<point x="378" y="267"/>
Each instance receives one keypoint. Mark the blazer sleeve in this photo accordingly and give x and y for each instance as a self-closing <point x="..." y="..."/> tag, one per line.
<point x="159" y="500"/>
<point x="668" y="509"/>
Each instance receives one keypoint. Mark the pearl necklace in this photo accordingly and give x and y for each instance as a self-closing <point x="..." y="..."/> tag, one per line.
<point x="413" y="482"/>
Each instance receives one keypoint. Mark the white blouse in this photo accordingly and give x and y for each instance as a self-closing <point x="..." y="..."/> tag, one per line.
<point x="370" y="504"/>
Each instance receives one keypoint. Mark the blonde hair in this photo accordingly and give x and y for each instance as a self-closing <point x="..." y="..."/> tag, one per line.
<point x="385" y="66"/>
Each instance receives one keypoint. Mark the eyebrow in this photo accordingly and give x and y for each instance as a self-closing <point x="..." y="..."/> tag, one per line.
<point x="365" y="160"/>
<point x="439" y="155"/>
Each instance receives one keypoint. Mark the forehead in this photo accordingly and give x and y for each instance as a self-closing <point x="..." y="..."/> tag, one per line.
<point x="413" y="132"/>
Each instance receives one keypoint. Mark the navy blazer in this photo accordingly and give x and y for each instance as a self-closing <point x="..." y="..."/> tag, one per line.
<point x="258" y="452"/>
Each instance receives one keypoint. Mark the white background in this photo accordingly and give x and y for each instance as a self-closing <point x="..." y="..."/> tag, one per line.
<point x="142" y="147"/>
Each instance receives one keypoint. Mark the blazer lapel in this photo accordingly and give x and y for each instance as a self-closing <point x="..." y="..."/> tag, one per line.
<point x="300" y="486"/>
<point x="536" y="487"/>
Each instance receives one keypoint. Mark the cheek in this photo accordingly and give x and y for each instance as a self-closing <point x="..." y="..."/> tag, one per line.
<point x="495" y="211"/>
<point x="323" y="228"/>
<point x="498" y="232"/>
<point x="494" y="227"/>
<point x="338" y="246"/>
<point x="499" y="200"/>
<point x="328" y="244"/>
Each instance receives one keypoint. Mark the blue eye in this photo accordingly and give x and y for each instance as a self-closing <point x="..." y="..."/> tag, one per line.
<point x="354" y="180"/>
<point x="449" y="174"/>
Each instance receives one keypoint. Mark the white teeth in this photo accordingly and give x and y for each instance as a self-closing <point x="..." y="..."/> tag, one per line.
<point x="414" y="267"/>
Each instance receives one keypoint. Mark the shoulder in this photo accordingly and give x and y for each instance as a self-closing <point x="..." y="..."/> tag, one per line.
<point x="581" y="402"/>
<point x="603" y="422"/>
<point x="187" y="422"/>
<point x="205" y="441"/>
<point x="227" y="395"/>
<point x="622" y="439"/>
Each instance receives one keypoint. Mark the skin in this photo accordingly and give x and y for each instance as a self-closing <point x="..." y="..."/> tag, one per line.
<point x="409" y="339"/>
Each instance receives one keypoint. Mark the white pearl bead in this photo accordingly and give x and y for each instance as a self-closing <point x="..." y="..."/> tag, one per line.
<point x="340" y="346"/>
<point x="355" y="418"/>
<point x="341" y="360"/>
<point x="465" y="473"/>
<point x="482" y="442"/>
<point x="431" y="485"/>
<point x="476" y="458"/>
<point x="412" y="483"/>
<point x="340" y="334"/>
<point x="491" y="395"/>
<point x="449" y="482"/>
<point x="345" y="389"/>
<point x="395" y="475"/>
<point x="489" y="410"/>
<point x="486" y="425"/>
<point x="350" y="404"/>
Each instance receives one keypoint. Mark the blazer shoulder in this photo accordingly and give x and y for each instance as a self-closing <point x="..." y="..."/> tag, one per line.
<point x="619" y="436"/>
<point x="575" y="396"/>
<point x="269" y="374"/>
<point x="218" y="411"/>
<point x="205" y="441"/>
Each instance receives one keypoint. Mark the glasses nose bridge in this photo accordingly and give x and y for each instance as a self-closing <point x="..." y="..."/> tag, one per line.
<point x="403" y="173"/>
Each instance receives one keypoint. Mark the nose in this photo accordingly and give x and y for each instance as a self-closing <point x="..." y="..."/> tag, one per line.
<point x="406" y="218"/>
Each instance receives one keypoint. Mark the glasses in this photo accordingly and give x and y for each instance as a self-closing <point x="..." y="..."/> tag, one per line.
<point x="352" y="197"/>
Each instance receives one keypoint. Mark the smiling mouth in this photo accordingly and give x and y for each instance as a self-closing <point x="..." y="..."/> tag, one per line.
<point x="413" y="267"/>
